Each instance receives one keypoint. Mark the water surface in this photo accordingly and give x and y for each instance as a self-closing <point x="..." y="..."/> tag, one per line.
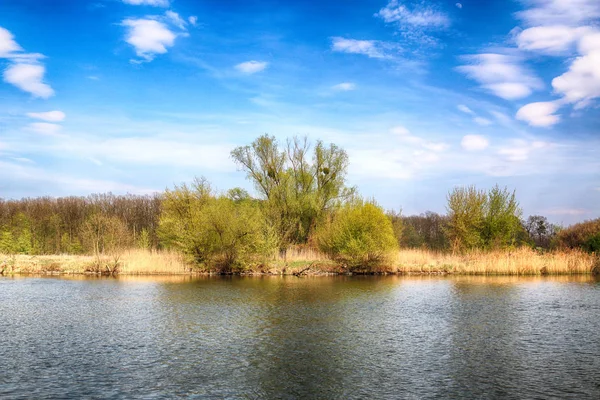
<point x="313" y="337"/>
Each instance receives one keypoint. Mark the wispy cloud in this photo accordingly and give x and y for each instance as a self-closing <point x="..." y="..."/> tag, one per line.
<point x="251" y="67"/>
<point x="414" y="22"/>
<point x="474" y="142"/>
<point x="421" y="15"/>
<point x="155" y="3"/>
<point x="369" y="48"/>
<point x="551" y="40"/>
<point x="344" y="86"/>
<point x="50" y="116"/>
<point x="45" y="128"/>
<point x="503" y="75"/>
<point x="465" y="109"/>
<point x="559" y="12"/>
<point x="482" y="121"/>
<point x="25" y="71"/>
<point x="175" y="19"/>
<point x="539" y="113"/>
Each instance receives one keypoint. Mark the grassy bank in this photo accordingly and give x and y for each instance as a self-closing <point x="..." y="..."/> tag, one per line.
<point x="522" y="261"/>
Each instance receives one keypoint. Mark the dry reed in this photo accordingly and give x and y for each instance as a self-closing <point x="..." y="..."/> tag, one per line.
<point x="521" y="261"/>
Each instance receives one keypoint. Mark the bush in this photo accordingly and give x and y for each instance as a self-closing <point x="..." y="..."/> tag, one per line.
<point x="359" y="235"/>
<point x="219" y="233"/>
<point x="585" y="235"/>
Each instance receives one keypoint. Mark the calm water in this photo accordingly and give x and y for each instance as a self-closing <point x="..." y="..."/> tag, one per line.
<point x="328" y="338"/>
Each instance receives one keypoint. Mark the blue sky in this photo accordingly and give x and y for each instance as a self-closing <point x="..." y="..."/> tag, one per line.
<point x="136" y="95"/>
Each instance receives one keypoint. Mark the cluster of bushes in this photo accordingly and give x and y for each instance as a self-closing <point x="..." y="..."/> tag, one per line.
<point x="302" y="200"/>
<point x="585" y="235"/>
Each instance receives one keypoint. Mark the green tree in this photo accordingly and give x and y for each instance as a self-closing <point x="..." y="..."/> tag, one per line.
<point x="359" y="234"/>
<point x="466" y="215"/>
<point x="502" y="219"/>
<point x="296" y="189"/>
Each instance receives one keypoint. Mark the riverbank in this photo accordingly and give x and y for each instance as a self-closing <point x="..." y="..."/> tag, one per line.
<point x="522" y="261"/>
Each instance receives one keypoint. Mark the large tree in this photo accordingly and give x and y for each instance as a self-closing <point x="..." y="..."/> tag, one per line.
<point x="298" y="182"/>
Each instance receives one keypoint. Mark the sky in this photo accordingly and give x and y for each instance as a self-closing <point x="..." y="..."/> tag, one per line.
<point x="134" y="96"/>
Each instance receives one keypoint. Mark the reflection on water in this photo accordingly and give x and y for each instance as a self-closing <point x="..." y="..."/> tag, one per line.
<point x="312" y="337"/>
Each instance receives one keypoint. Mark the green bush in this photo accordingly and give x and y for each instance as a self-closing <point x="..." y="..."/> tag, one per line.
<point x="217" y="232"/>
<point x="359" y="235"/>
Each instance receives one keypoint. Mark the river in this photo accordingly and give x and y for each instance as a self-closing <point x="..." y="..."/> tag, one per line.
<point x="309" y="337"/>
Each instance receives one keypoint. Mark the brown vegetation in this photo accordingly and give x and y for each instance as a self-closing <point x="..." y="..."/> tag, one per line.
<point x="523" y="261"/>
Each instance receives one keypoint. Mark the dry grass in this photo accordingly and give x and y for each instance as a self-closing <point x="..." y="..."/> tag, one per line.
<point x="132" y="262"/>
<point x="143" y="262"/>
<point x="522" y="261"/>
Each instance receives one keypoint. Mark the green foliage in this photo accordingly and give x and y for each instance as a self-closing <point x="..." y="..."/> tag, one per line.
<point x="7" y="242"/>
<point x="502" y="219"/>
<point x="216" y="231"/>
<point x="424" y="231"/>
<point x="592" y="244"/>
<point x="480" y="219"/>
<point x="143" y="240"/>
<point x="359" y="234"/>
<point x="397" y="224"/>
<point x="466" y="208"/>
<point x="296" y="189"/>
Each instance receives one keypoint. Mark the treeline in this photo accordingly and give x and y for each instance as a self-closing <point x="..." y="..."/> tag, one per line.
<point x="302" y="201"/>
<point x="78" y="225"/>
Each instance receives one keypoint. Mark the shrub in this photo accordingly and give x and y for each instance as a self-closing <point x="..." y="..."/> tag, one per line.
<point x="359" y="234"/>
<point x="217" y="232"/>
<point x="584" y="235"/>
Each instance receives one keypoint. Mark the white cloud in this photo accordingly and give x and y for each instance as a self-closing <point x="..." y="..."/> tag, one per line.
<point x="520" y="150"/>
<point x="465" y="109"/>
<point x="24" y="71"/>
<point x="149" y="37"/>
<point x="155" y="3"/>
<point x="400" y="130"/>
<point x="539" y="113"/>
<point x="474" y="142"/>
<point x="175" y="19"/>
<point x="45" y="128"/>
<point x="7" y="43"/>
<point x="50" y="116"/>
<point x="554" y="39"/>
<point x="251" y="67"/>
<point x="28" y="77"/>
<point x="501" y="74"/>
<point x="482" y="121"/>
<point x="581" y="83"/>
<point x="559" y="12"/>
<point x="193" y="20"/>
<point x="41" y="176"/>
<point x="420" y="16"/>
<point x="344" y="86"/>
<point x="370" y="48"/>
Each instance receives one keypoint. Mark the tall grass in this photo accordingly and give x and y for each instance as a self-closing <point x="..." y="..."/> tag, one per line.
<point x="523" y="261"/>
